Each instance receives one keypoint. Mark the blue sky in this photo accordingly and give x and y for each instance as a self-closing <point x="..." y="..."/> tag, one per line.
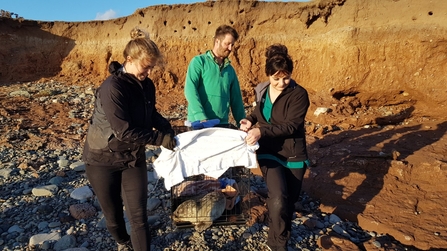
<point x="82" y="10"/>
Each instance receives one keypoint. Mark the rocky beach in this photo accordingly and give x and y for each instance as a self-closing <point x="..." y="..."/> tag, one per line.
<point x="47" y="203"/>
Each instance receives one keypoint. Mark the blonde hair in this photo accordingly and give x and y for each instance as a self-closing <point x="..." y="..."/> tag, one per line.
<point x="141" y="47"/>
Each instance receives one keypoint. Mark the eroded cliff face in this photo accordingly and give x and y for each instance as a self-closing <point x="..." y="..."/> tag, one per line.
<point x="373" y="50"/>
<point x="373" y="63"/>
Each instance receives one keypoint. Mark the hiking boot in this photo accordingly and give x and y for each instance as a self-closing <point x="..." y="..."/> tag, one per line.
<point x="127" y="246"/>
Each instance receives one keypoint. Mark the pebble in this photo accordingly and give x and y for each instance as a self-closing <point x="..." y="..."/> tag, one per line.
<point x="81" y="193"/>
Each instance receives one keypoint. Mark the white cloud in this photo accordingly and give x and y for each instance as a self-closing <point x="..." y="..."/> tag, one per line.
<point x="110" y="14"/>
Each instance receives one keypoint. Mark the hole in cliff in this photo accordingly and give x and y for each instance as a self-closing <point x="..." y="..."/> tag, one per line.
<point x="340" y="95"/>
<point x="175" y="31"/>
<point x="311" y="20"/>
<point x="108" y="56"/>
<point x="184" y="27"/>
<point x="165" y="22"/>
<point x="231" y="22"/>
<point x="141" y="13"/>
<point x="194" y="29"/>
<point x="209" y="22"/>
<point x="241" y="11"/>
<point x="189" y="22"/>
<point x="430" y="13"/>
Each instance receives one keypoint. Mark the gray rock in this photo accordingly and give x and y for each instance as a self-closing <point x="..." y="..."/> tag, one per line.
<point x="42" y="225"/>
<point x="81" y="193"/>
<point x="153" y="203"/>
<point x="20" y="93"/>
<point x="67" y="241"/>
<point x="56" y="180"/>
<point x="152" y="220"/>
<point x="78" y="166"/>
<point x="54" y="224"/>
<point x="46" y="245"/>
<point x="151" y="177"/>
<point x="5" y="172"/>
<point x="15" y="228"/>
<point x="48" y="190"/>
<point x="339" y="230"/>
<point x="63" y="162"/>
<point x="334" y="219"/>
<point x="40" y="238"/>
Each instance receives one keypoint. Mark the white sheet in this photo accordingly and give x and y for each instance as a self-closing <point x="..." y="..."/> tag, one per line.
<point x="209" y="151"/>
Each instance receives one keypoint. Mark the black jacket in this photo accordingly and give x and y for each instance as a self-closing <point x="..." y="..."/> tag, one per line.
<point x="123" y="121"/>
<point x="284" y="136"/>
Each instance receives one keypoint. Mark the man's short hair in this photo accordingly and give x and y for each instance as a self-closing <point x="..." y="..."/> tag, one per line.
<point x="223" y="30"/>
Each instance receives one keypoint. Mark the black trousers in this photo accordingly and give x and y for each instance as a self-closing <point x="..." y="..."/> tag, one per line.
<point x="117" y="185"/>
<point x="284" y="187"/>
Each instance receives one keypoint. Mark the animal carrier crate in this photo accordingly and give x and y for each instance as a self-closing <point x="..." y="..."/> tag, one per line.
<point x="201" y="201"/>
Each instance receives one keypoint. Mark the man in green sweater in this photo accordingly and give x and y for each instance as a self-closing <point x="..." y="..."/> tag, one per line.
<point x="211" y="85"/>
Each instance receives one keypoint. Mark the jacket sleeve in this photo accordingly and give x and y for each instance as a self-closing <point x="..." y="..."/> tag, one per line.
<point x="295" y="111"/>
<point x="236" y="102"/>
<point x="192" y="82"/>
<point x="161" y="123"/>
<point x="115" y="103"/>
<point x="252" y="118"/>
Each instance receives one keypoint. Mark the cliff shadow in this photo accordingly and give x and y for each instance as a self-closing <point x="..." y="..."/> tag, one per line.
<point x="28" y="52"/>
<point x="351" y="165"/>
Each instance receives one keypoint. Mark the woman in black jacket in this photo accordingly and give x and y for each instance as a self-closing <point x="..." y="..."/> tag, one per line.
<point x="281" y="107"/>
<point x="122" y="125"/>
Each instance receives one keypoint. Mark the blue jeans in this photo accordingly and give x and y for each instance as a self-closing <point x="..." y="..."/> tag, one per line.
<point x="117" y="185"/>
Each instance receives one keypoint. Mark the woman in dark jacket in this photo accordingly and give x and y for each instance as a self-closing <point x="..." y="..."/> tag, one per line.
<point x="122" y="125"/>
<point x="281" y="107"/>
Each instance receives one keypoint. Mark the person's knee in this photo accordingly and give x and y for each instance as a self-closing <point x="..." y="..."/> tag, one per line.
<point x="277" y="193"/>
<point x="139" y="227"/>
<point x="276" y="203"/>
<point x="138" y="219"/>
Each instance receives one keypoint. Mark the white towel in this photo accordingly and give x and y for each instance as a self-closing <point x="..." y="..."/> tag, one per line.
<point x="209" y="151"/>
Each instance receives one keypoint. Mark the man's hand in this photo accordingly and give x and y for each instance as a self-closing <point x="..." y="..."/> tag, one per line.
<point x="245" y="125"/>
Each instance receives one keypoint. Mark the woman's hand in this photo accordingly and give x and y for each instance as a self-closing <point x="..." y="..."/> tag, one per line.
<point x="253" y="136"/>
<point x="245" y="125"/>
